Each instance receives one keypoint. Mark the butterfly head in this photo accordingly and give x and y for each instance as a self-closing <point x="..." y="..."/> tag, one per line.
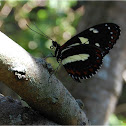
<point x="54" y="45"/>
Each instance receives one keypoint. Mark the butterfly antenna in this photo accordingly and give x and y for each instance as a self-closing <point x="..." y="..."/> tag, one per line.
<point x="39" y="33"/>
<point x="42" y="32"/>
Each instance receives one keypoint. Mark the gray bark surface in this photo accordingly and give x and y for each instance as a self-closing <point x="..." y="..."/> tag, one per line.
<point x="13" y="113"/>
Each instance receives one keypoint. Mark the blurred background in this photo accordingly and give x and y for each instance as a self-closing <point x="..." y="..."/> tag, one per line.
<point x="60" y="20"/>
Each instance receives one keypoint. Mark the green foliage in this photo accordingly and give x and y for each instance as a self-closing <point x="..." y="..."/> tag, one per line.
<point x="55" y="18"/>
<point x="114" y="120"/>
<point x="42" y="14"/>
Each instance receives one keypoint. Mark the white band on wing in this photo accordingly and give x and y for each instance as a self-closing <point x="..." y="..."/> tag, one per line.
<point x="74" y="58"/>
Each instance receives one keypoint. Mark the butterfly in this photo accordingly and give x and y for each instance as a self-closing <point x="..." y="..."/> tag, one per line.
<point x="82" y="55"/>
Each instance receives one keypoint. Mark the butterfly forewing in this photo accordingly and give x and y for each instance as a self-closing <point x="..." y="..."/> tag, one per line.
<point x="103" y="36"/>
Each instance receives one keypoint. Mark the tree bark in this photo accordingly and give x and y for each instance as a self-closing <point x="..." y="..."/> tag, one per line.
<point x="13" y="113"/>
<point x="29" y="78"/>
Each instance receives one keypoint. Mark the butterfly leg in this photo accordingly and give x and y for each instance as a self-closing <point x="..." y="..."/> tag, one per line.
<point x="55" y="71"/>
<point x="49" y="56"/>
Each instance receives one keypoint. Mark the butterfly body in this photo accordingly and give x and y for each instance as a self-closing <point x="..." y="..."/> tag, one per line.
<point x="82" y="55"/>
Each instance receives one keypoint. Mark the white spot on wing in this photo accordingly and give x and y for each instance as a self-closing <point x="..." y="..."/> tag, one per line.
<point x="76" y="77"/>
<point x="93" y="30"/>
<point x="73" y="76"/>
<point x="97" y="44"/>
<point x="84" y="40"/>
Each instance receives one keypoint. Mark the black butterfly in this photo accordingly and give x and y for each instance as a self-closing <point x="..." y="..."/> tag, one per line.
<point x="82" y="55"/>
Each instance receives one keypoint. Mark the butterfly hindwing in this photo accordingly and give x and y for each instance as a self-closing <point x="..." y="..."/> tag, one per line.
<point x="103" y="36"/>
<point x="81" y="62"/>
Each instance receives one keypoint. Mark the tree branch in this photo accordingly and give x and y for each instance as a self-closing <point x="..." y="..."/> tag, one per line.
<point x="28" y="77"/>
<point x="13" y="113"/>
